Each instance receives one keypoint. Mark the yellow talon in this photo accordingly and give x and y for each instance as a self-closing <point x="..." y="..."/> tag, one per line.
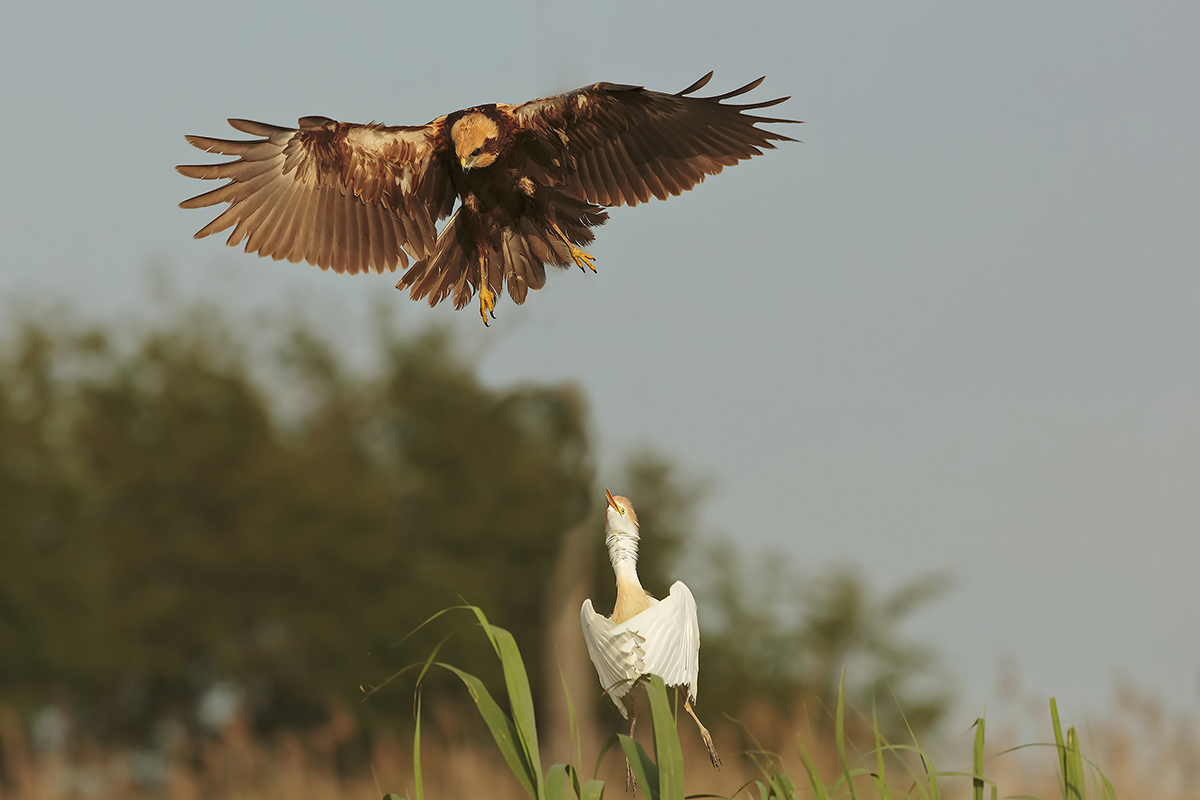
<point x="487" y="303"/>
<point x="582" y="258"/>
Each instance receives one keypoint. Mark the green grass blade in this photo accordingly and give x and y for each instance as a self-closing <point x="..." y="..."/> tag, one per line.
<point x="1074" y="761"/>
<point x="572" y="727"/>
<point x="592" y="790"/>
<point x="556" y="780"/>
<point x="609" y="743"/>
<point x="977" y="760"/>
<point x="389" y="679"/>
<point x="915" y="748"/>
<point x="839" y="732"/>
<point x="520" y="698"/>
<point x="1061" y="745"/>
<point x="644" y="768"/>
<point x="786" y="789"/>
<point x="1105" y="784"/>
<point x="667" y="750"/>
<point x="503" y="731"/>
<point x="420" y="785"/>
<point x="820" y="792"/>
<point x="880" y="775"/>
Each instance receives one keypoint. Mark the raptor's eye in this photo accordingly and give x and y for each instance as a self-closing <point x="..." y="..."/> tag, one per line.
<point x="477" y="151"/>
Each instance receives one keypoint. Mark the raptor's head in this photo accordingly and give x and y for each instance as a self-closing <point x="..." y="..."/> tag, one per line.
<point x="476" y="138"/>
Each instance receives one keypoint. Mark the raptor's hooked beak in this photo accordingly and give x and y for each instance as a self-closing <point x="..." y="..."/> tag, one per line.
<point x="466" y="165"/>
<point x="613" y="503"/>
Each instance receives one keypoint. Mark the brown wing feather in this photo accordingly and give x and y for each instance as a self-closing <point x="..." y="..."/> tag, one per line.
<point x="350" y="197"/>
<point x="621" y="145"/>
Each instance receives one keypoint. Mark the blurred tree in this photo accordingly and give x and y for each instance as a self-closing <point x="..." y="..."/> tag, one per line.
<point x="179" y="511"/>
<point x="163" y="531"/>
<point x="779" y="634"/>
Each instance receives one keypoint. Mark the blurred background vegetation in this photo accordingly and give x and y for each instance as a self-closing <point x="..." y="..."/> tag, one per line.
<point x="209" y="508"/>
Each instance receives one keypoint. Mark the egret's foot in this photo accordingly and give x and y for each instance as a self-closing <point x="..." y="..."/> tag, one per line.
<point x="708" y="742"/>
<point x="712" y="750"/>
<point x="582" y="259"/>
<point x="487" y="303"/>
<point x="630" y="780"/>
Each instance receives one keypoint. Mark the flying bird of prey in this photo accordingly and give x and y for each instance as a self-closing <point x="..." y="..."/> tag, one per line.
<point x="644" y="636"/>
<point x="531" y="181"/>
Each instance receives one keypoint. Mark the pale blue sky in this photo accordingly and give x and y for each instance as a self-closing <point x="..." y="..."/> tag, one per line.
<point x="957" y="327"/>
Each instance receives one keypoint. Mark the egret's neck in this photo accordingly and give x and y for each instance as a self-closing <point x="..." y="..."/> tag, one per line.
<point x="623" y="553"/>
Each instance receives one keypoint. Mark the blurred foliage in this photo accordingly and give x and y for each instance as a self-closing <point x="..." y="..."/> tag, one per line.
<point x="163" y="529"/>
<point x="777" y="635"/>
<point x="179" y="511"/>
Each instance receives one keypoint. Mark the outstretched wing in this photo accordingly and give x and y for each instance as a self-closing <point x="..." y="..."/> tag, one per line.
<point x="618" y="145"/>
<point x="670" y="637"/>
<point x="335" y="194"/>
<point x="615" y="651"/>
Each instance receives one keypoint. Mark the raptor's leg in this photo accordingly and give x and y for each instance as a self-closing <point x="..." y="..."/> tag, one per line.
<point x="630" y="780"/>
<point x="708" y="742"/>
<point x="582" y="259"/>
<point x="487" y="298"/>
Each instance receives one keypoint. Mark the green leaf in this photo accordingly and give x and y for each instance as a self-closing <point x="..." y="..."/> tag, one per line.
<point x="840" y="734"/>
<point x="520" y="698"/>
<point x="667" y="750"/>
<point x="556" y="782"/>
<point x="504" y="732"/>
<point x="1060" y="744"/>
<point x="818" y="786"/>
<point x="1074" y="763"/>
<point x="644" y="768"/>
<point x="977" y="760"/>
<point x="420" y="786"/>
<point x="576" y="741"/>
<point x="880" y="775"/>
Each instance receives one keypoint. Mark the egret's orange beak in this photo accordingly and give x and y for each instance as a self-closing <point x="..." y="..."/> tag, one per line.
<point x="613" y="503"/>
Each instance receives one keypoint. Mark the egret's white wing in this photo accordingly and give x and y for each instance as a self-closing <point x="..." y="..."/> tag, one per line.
<point x="670" y="639"/>
<point x="615" y="650"/>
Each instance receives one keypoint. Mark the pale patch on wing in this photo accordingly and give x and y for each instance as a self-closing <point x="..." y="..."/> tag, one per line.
<point x="663" y="640"/>
<point x="615" y="651"/>
<point x="348" y="197"/>
<point x="671" y="635"/>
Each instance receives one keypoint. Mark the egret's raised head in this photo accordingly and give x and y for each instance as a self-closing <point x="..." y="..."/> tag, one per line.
<point x="476" y="138"/>
<point x="620" y="517"/>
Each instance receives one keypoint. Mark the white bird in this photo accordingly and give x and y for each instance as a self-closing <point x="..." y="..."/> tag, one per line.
<point x="644" y="636"/>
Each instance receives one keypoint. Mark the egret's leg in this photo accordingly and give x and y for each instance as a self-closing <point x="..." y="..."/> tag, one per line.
<point x="630" y="780"/>
<point x="708" y="742"/>
<point x="487" y="298"/>
<point x="581" y="258"/>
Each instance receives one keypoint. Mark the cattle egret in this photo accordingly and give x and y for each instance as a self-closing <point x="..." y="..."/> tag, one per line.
<point x="644" y="636"/>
